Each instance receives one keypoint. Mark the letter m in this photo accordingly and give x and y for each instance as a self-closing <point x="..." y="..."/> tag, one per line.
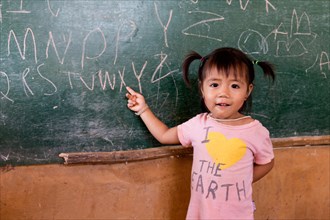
<point x="22" y="53"/>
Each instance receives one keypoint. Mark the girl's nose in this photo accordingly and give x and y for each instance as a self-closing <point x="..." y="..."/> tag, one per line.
<point x="223" y="92"/>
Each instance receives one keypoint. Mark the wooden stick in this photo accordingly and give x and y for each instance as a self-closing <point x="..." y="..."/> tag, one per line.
<point x="170" y="151"/>
<point x="125" y="156"/>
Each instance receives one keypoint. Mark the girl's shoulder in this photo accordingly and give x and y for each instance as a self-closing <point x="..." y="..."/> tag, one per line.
<point x="197" y="121"/>
<point x="199" y="118"/>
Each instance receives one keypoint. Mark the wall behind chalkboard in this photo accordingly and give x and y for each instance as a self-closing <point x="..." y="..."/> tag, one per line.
<point x="64" y="66"/>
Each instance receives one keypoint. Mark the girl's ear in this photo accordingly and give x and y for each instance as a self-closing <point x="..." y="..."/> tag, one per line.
<point x="249" y="90"/>
<point x="200" y="86"/>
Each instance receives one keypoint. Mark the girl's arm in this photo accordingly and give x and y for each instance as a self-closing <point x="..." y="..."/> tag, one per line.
<point x="259" y="171"/>
<point x="157" y="128"/>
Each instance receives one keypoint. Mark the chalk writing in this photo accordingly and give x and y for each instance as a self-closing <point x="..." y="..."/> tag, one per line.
<point x="103" y="43"/>
<point x="253" y="37"/>
<point x="28" y="32"/>
<point x="48" y="80"/>
<point x="218" y="18"/>
<point x="5" y="94"/>
<point x="300" y="26"/>
<point x="20" y="9"/>
<point x="122" y="81"/>
<point x="296" y="46"/>
<point x="138" y="76"/>
<point x="5" y="158"/>
<point x="323" y="62"/>
<point x="104" y="79"/>
<point x="243" y="5"/>
<point x="55" y="14"/>
<point x="164" y="26"/>
<point x="91" y="88"/>
<point x="107" y="78"/>
<point x="0" y="12"/>
<point x="52" y="42"/>
<point x="293" y="44"/>
<point x="269" y="4"/>
<point x="163" y="58"/>
<point x="26" y="87"/>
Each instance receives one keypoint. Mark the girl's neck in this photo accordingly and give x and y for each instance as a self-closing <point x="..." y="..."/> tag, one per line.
<point x="243" y="119"/>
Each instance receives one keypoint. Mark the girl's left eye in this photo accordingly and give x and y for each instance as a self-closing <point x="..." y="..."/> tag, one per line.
<point x="235" y="86"/>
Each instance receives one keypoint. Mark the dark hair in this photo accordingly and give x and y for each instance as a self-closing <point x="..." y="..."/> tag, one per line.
<point x="226" y="60"/>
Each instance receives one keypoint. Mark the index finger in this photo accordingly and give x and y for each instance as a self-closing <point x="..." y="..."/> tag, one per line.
<point x="131" y="91"/>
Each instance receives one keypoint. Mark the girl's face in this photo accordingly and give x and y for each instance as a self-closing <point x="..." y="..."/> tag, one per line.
<point x="224" y="96"/>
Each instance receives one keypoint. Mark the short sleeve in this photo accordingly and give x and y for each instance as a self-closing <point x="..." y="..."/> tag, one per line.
<point x="189" y="130"/>
<point x="183" y="135"/>
<point x="264" y="152"/>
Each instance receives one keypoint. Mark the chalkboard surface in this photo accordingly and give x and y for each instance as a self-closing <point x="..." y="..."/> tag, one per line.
<point x="64" y="66"/>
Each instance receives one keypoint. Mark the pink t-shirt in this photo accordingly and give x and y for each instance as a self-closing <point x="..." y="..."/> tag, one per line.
<point x="222" y="171"/>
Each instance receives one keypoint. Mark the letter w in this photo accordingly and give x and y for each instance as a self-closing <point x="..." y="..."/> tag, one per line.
<point x="107" y="78"/>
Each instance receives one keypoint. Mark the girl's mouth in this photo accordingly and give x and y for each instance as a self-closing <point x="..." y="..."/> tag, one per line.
<point x="222" y="104"/>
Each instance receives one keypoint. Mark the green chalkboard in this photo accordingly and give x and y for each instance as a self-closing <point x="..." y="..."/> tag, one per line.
<point x="64" y="66"/>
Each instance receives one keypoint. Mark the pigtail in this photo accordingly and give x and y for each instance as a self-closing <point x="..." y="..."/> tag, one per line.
<point x="186" y="64"/>
<point x="267" y="68"/>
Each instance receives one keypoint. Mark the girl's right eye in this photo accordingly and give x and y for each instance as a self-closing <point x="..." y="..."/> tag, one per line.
<point x="214" y="85"/>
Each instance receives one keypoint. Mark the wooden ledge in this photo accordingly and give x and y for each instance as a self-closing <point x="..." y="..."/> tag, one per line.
<point x="301" y="141"/>
<point x="171" y="151"/>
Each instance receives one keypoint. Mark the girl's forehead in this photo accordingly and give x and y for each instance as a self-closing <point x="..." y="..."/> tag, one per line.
<point x="236" y="73"/>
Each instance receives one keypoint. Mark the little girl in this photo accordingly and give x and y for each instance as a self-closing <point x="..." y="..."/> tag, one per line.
<point x="231" y="150"/>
